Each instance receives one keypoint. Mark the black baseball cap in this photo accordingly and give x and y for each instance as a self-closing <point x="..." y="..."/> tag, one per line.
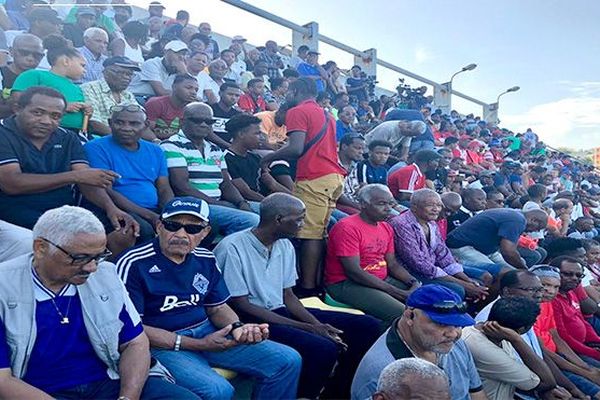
<point x="121" y="61"/>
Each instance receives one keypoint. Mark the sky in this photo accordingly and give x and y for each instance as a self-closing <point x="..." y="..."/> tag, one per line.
<point x="550" y="48"/>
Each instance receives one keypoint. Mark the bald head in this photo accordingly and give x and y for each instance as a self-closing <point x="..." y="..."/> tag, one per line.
<point x="536" y="220"/>
<point x="474" y="199"/>
<point x="278" y="204"/>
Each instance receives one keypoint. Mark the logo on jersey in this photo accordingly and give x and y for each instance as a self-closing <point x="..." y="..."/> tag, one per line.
<point x="154" y="270"/>
<point x="200" y="283"/>
<point x="172" y="302"/>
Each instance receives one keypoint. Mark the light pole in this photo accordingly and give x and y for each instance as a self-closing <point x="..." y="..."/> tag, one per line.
<point x="466" y="68"/>
<point x="444" y="97"/>
<point x="512" y="89"/>
<point x="491" y="113"/>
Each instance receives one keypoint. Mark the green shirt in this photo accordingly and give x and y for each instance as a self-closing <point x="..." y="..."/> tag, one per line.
<point x="515" y="143"/>
<point x="71" y="91"/>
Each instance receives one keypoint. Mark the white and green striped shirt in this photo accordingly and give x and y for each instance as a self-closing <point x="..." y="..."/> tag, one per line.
<point x="204" y="172"/>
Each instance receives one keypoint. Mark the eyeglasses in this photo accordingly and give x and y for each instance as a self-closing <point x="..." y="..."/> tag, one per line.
<point x="446" y="307"/>
<point x="82" y="259"/>
<point x="207" y="121"/>
<point x="577" y="275"/>
<point x="29" y="53"/>
<point x="127" y="107"/>
<point x="192" y="229"/>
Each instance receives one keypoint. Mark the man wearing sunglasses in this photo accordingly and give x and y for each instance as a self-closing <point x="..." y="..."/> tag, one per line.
<point x="109" y="91"/>
<point x="429" y="329"/>
<point x="27" y="52"/>
<point x="582" y="374"/>
<point x="181" y="295"/>
<point x="70" y="329"/>
<point x="197" y="168"/>
<point x="570" y="322"/>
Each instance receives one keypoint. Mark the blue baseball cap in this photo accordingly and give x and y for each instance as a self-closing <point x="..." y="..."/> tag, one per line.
<point x="186" y="206"/>
<point x="441" y="305"/>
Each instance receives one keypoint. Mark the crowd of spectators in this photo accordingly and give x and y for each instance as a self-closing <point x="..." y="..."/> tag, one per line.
<point x="174" y="213"/>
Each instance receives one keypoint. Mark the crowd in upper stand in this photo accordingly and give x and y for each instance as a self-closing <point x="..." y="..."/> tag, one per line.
<point x="174" y="212"/>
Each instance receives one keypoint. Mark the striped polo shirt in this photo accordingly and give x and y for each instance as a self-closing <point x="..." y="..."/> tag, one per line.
<point x="204" y="172"/>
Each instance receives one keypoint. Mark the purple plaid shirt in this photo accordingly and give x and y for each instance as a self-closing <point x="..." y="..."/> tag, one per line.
<point x="430" y="260"/>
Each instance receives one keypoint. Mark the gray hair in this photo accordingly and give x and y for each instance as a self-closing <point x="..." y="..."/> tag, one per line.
<point x="365" y="194"/>
<point x="94" y="31"/>
<point x="418" y="126"/>
<point x="189" y="109"/>
<point x="62" y="224"/>
<point x="397" y="376"/>
<point x="420" y="195"/>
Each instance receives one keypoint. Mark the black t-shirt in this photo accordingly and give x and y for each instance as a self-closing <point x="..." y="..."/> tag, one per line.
<point x="245" y="167"/>
<point x="59" y="154"/>
<point x="456" y="219"/>
<point x="221" y="116"/>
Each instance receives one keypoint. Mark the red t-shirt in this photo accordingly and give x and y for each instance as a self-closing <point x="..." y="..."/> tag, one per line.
<point x="406" y="179"/>
<point x="161" y="108"/>
<point x="248" y="104"/>
<point x="322" y="158"/>
<point x="353" y="237"/>
<point x="459" y="153"/>
<point x="571" y="325"/>
<point x="543" y="324"/>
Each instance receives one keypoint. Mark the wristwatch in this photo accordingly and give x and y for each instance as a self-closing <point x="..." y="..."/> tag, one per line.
<point x="177" y="343"/>
<point x="236" y="325"/>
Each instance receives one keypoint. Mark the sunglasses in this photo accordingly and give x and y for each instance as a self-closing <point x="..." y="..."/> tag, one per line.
<point x="127" y="107"/>
<point x="29" y="53"/>
<point x="446" y="307"/>
<point x="207" y="121"/>
<point x="192" y="229"/>
<point x="82" y="259"/>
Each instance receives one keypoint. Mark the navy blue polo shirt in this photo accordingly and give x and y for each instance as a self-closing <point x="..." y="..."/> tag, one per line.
<point x="59" y="154"/>
<point x="397" y="114"/>
<point x="172" y="296"/>
<point x="485" y="230"/>
<point x="368" y="173"/>
<point x="62" y="356"/>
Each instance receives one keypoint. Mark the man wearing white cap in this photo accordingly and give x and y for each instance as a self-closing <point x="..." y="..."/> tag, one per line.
<point x="157" y="74"/>
<point x="181" y="296"/>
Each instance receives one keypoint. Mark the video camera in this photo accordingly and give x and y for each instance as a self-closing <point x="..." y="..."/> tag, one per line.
<point x="411" y="97"/>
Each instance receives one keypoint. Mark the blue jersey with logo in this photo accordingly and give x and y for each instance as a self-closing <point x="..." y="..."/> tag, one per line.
<point x="167" y="295"/>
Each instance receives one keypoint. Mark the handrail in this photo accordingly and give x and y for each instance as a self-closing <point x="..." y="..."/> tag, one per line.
<point x="349" y="49"/>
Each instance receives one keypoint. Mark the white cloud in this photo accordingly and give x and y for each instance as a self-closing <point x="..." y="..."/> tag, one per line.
<point x="422" y="55"/>
<point x="572" y="122"/>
